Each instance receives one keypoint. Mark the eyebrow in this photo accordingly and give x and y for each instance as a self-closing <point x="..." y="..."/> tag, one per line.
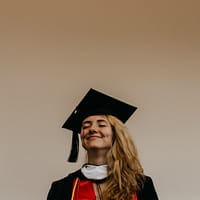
<point x="90" y="121"/>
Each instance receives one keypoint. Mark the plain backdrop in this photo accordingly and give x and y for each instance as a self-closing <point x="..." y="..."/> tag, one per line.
<point x="146" y="53"/>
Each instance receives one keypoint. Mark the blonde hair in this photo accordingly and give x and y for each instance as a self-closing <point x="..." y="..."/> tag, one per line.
<point x="125" y="170"/>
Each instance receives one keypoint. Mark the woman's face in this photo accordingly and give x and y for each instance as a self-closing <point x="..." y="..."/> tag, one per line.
<point x="96" y="133"/>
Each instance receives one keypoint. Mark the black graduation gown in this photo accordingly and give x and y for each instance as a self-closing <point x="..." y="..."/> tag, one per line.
<point x="62" y="189"/>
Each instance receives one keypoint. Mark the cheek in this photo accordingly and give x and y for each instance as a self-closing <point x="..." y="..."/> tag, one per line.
<point x="109" y="137"/>
<point x="109" y="133"/>
<point x="82" y="135"/>
<point x="111" y="140"/>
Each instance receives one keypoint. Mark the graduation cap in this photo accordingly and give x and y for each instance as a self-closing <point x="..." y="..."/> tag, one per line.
<point x="94" y="103"/>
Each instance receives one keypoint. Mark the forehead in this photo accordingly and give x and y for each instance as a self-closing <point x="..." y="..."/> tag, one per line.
<point x="95" y="118"/>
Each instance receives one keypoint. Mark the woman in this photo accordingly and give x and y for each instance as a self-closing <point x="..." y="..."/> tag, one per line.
<point x="113" y="170"/>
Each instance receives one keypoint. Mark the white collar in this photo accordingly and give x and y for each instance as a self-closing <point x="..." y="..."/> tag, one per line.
<point x="95" y="172"/>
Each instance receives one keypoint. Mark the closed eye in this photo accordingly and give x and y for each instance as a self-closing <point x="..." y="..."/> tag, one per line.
<point x="99" y="123"/>
<point x="102" y="125"/>
<point x="85" y="126"/>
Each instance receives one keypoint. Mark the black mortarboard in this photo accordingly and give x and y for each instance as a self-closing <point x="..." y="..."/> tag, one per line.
<point x="94" y="103"/>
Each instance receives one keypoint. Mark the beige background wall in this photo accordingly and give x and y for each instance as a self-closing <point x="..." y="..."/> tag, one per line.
<point x="145" y="52"/>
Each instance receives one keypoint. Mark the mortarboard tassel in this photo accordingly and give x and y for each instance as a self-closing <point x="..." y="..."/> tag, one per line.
<point x="74" y="148"/>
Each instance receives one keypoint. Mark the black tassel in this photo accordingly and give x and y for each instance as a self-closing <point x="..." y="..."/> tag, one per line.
<point x="74" y="148"/>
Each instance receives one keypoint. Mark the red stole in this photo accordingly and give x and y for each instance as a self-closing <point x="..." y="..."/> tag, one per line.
<point x="83" y="190"/>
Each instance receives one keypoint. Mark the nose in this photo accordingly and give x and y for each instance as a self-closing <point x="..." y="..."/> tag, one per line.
<point x="93" y="128"/>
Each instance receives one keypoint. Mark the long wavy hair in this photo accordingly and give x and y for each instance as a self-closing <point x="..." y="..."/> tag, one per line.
<point x="125" y="175"/>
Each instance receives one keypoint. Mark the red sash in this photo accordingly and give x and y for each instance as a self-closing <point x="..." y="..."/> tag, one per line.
<point x="83" y="190"/>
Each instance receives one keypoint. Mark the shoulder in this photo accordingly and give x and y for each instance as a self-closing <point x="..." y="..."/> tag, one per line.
<point x="148" y="180"/>
<point x="147" y="190"/>
<point x="70" y="177"/>
<point x="61" y="188"/>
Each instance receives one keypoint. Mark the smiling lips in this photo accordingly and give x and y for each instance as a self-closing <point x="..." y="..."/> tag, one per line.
<point x="92" y="136"/>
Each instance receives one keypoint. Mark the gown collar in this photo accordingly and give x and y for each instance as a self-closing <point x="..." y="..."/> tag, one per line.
<point x="95" y="172"/>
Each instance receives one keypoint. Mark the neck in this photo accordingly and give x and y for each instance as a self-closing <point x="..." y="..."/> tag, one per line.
<point x="97" y="157"/>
